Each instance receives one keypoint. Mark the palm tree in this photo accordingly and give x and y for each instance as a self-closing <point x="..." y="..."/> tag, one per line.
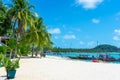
<point x="5" y="23"/>
<point x="30" y="39"/>
<point x="20" y="13"/>
<point x="34" y="31"/>
<point x="44" y="37"/>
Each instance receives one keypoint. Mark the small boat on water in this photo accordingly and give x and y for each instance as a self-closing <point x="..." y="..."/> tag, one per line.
<point x="71" y="57"/>
<point x="83" y="57"/>
<point x="106" y="57"/>
<point x="101" y="57"/>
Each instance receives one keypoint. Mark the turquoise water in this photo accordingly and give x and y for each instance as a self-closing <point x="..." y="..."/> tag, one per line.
<point x="111" y="54"/>
<point x="66" y="55"/>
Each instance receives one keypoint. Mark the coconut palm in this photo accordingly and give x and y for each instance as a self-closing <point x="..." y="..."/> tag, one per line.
<point x="34" y="31"/>
<point x="22" y="16"/>
<point x="20" y="13"/>
<point x="5" y="23"/>
<point x="30" y="39"/>
<point x="44" y="37"/>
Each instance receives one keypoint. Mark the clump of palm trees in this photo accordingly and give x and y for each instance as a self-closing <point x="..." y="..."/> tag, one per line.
<point x="20" y="24"/>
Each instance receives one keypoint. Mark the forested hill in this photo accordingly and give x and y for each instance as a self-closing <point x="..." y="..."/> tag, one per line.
<point x="99" y="48"/>
<point x="107" y="48"/>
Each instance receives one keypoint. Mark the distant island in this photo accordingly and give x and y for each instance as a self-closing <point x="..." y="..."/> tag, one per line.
<point x="99" y="48"/>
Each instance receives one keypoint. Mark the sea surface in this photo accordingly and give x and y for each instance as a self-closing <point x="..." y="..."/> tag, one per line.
<point x="115" y="55"/>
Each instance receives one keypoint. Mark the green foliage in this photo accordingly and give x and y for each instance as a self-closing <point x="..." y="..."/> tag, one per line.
<point x="21" y="14"/>
<point x="106" y="48"/>
<point x="3" y="49"/>
<point x="26" y="29"/>
<point x="11" y="64"/>
<point x="1" y="57"/>
<point x="12" y="43"/>
<point x="23" y="50"/>
<point x="44" y="36"/>
<point x="5" y="23"/>
<point x="99" y="48"/>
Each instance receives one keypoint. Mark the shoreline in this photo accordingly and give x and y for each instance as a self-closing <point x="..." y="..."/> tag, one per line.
<point x="56" y="68"/>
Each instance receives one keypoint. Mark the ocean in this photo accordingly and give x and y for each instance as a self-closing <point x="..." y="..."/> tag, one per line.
<point x="112" y="55"/>
<point x="116" y="55"/>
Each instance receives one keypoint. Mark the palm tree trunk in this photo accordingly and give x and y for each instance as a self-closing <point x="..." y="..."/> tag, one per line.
<point x="32" y="50"/>
<point x="19" y="57"/>
<point x="19" y="26"/>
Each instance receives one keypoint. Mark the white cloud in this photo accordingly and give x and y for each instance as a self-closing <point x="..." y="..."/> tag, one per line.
<point x="89" y="4"/>
<point x="69" y="36"/>
<point x="116" y="38"/>
<point x="117" y="31"/>
<point x="82" y="43"/>
<point x="96" y="21"/>
<point x="54" y="31"/>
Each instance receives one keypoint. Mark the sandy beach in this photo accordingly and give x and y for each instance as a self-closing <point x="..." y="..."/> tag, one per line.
<point x="53" y="68"/>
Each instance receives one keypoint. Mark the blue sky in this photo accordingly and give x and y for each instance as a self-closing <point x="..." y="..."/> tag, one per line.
<point x="81" y="23"/>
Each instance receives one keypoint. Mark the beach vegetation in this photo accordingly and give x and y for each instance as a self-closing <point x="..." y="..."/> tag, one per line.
<point x="26" y="32"/>
<point x="5" y="23"/>
<point x="11" y="64"/>
<point x="44" y="40"/>
<point x="25" y="27"/>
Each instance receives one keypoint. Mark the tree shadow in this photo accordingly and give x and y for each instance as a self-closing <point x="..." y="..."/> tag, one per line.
<point x="3" y="77"/>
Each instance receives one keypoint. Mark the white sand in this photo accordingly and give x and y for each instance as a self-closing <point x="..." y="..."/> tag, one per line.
<point x="61" y="69"/>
